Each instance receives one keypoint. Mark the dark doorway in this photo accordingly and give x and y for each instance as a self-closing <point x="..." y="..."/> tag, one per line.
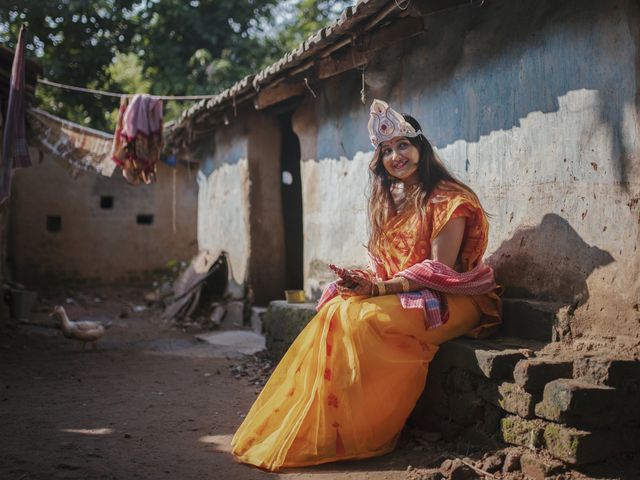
<point x="291" y="187"/>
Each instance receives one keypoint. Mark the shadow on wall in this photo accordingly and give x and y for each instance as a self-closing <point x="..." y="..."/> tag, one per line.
<point x="476" y="71"/>
<point x="547" y="262"/>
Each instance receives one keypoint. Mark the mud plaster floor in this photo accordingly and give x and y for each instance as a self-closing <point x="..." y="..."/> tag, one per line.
<point x="150" y="402"/>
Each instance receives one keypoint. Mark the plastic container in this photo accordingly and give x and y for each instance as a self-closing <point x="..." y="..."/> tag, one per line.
<point x="22" y="302"/>
<point x="294" y="296"/>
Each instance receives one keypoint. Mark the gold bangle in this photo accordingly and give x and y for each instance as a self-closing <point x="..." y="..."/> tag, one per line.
<point x="405" y="284"/>
<point x="381" y="289"/>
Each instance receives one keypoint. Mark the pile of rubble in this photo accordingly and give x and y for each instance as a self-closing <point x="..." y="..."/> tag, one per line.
<point x="254" y="369"/>
<point x="506" y="464"/>
<point x="200" y="298"/>
<point x="458" y="460"/>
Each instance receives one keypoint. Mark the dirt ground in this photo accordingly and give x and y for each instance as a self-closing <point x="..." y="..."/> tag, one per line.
<point x="150" y="402"/>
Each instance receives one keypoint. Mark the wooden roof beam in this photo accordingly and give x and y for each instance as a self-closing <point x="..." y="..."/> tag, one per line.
<point x="276" y="94"/>
<point x="355" y="56"/>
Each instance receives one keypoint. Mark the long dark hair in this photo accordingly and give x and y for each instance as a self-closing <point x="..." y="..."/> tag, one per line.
<point x="431" y="172"/>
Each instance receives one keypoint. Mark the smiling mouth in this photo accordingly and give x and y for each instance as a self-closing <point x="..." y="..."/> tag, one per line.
<point x="399" y="165"/>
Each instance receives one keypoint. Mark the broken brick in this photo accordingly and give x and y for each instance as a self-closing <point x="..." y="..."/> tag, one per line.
<point x="511" y="461"/>
<point x="537" y="468"/>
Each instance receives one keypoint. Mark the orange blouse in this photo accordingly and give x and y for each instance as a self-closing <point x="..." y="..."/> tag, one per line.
<point x="408" y="236"/>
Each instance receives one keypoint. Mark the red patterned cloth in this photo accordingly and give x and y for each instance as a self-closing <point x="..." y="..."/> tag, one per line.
<point x="137" y="142"/>
<point x="438" y="276"/>
<point x="15" y="150"/>
<point x="437" y="279"/>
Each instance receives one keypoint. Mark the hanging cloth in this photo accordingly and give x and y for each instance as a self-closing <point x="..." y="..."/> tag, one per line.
<point x="138" y="138"/>
<point x="15" y="150"/>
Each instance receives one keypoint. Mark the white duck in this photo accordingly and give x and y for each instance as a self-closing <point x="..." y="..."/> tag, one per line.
<point x="87" y="331"/>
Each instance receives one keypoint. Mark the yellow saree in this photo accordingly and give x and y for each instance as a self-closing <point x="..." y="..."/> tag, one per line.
<point x="349" y="381"/>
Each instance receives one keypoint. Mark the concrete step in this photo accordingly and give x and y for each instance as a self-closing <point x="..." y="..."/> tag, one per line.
<point x="530" y="319"/>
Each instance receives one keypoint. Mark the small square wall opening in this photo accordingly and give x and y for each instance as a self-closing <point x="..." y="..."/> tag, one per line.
<point x="144" y="219"/>
<point x="106" y="202"/>
<point x="54" y="223"/>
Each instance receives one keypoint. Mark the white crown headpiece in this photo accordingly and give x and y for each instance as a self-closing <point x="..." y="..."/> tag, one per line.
<point x="385" y="123"/>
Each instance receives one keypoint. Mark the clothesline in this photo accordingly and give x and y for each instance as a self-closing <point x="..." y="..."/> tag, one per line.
<point x="44" y="81"/>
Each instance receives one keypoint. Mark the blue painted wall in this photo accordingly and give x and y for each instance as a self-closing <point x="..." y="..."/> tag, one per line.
<point x="534" y="104"/>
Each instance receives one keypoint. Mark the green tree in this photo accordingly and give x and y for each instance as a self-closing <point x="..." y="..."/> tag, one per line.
<point x="201" y="46"/>
<point x="75" y="41"/>
<point x="303" y="18"/>
<point x="163" y="47"/>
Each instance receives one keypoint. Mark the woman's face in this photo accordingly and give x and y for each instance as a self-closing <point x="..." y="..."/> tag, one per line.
<point x="400" y="159"/>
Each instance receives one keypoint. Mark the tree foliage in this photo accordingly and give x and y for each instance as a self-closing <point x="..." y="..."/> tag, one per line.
<point x="163" y="47"/>
<point x="305" y="18"/>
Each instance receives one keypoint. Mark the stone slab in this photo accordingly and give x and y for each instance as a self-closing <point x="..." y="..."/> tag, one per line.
<point x="282" y="323"/>
<point x="510" y="397"/>
<point x="242" y="341"/>
<point x="621" y="373"/>
<point x="580" y="447"/>
<point x="584" y="405"/>
<point x="570" y="444"/>
<point x="450" y="403"/>
<point x="532" y="374"/>
<point x="494" y="359"/>
<point x="519" y="431"/>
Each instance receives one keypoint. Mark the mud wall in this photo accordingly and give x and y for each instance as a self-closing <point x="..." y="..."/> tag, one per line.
<point x="239" y="203"/>
<point x="223" y="199"/>
<point x="94" y="227"/>
<point x="535" y="105"/>
<point x="335" y="176"/>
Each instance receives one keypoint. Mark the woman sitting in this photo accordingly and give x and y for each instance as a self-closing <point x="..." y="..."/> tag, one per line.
<point x="347" y="384"/>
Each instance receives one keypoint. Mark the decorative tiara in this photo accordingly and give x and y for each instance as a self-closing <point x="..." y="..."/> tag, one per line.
<point x="385" y="123"/>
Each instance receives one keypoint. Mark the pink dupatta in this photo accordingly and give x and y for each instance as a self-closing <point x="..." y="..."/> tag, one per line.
<point x="437" y="280"/>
